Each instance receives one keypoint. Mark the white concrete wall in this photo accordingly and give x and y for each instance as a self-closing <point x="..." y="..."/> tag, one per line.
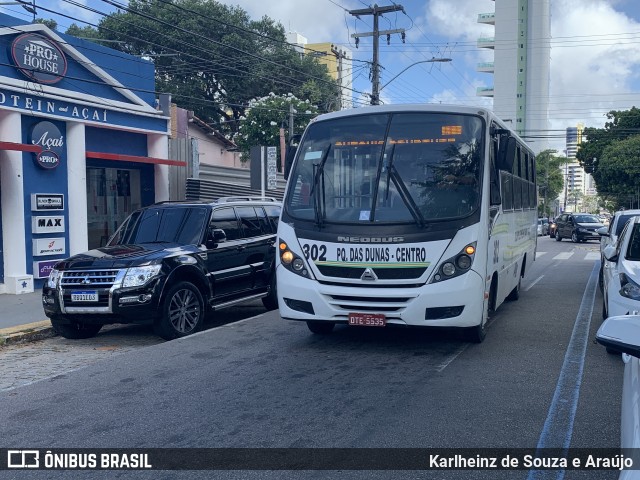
<point x="12" y="201"/>
<point x="77" y="181"/>
<point x="158" y="147"/>
<point x="213" y="152"/>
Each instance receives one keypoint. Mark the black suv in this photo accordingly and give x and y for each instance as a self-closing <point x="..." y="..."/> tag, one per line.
<point x="579" y="227"/>
<point x="168" y="264"/>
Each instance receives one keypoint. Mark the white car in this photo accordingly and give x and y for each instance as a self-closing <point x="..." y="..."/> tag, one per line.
<point x="609" y="234"/>
<point x="621" y="272"/>
<point x="623" y="334"/>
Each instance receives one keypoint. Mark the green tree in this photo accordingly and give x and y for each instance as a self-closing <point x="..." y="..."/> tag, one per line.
<point x="83" y="32"/>
<point x="214" y="59"/>
<point x="265" y="116"/>
<point x="52" y="24"/>
<point x="619" y="170"/>
<point x="549" y="179"/>
<point x="592" y="154"/>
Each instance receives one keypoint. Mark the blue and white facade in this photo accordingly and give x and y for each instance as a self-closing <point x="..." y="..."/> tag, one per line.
<point x="81" y="146"/>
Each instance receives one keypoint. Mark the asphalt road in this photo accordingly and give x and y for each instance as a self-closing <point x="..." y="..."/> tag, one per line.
<point x="263" y="382"/>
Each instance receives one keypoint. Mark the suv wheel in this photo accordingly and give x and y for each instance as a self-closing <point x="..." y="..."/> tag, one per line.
<point x="558" y="237"/>
<point x="270" y="302"/>
<point x="74" y="330"/>
<point x="574" y="237"/>
<point x="182" y="312"/>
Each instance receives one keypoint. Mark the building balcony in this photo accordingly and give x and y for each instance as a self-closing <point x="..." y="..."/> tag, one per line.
<point x="487" y="18"/>
<point x="486" y="67"/>
<point x="488" y="42"/>
<point x="484" y="92"/>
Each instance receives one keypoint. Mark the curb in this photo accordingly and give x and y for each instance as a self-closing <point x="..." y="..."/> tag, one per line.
<point x="26" y="333"/>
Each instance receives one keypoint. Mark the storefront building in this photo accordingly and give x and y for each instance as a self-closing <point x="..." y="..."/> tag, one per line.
<point x="82" y="144"/>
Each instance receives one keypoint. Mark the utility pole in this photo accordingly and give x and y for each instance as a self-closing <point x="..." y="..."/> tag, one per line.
<point x="376" y="11"/>
<point x="340" y="55"/>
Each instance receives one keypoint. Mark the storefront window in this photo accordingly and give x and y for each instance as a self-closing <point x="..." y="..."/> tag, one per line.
<point x="112" y="195"/>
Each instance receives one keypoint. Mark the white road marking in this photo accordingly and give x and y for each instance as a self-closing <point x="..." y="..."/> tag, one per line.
<point x="533" y="283"/>
<point x="592" y="256"/>
<point x="539" y="254"/>
<point x="563" y="256"/>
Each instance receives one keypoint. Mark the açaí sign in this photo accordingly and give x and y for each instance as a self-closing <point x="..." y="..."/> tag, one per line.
<point x="38" y="58"/>
<point x="49" y="138"/>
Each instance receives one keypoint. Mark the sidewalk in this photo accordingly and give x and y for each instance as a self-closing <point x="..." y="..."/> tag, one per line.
<point x="22" y="318"/>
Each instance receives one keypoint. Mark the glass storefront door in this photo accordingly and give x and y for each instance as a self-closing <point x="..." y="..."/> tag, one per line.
<point x="113" y="194"/>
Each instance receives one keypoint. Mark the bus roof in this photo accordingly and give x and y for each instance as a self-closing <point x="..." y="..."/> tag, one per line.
<point x="418" y="107"/>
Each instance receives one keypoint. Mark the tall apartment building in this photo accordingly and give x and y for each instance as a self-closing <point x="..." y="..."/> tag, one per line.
<point x="576" y="179"/>
<point x="521" y="65"/>
<point x="337" y="59"/>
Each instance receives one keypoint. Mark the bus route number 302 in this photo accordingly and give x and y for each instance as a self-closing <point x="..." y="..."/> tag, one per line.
<point x="315" y="252"/>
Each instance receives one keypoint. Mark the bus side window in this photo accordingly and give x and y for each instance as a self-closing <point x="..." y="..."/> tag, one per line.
<point x="494" y="184"/>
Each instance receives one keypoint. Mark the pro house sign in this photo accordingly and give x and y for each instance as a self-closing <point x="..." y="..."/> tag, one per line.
<point x="39" y="58"/>
<point x="47" y="136"/>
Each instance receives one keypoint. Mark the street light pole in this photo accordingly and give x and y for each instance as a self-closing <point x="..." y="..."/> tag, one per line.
<point x="566" y="180"/>
<point x="431" y="60"/>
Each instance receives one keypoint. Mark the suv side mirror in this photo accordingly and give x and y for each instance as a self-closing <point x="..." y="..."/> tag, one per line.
<point x="603" y="232"/>
<point x="214" y="237"/>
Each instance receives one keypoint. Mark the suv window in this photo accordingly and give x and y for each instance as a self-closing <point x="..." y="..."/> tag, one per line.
<point x="173" y="224"/>
<point x="249" y="221"/>
<point x="273" y="212"/>
<point x="225" y="219"/>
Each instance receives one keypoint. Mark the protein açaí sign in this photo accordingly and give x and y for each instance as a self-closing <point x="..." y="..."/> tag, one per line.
<point x="38" y="58"/>
<point x="47" y="136"/>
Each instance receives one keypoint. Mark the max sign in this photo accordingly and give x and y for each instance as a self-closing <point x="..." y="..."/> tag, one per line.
<point x="49" y="137"/>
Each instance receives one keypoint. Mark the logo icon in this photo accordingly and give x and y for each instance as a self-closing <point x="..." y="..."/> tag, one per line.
<point x="38" y="58"/>
<point x="23" y="459"/>
<point x="369" y="274"/>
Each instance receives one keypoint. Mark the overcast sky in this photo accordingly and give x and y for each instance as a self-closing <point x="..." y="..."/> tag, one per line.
<point x="595" y="54"/>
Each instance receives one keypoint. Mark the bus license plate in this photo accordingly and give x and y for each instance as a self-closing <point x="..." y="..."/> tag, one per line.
<point x="91" y="296"/>
<point x="367" y="319"/>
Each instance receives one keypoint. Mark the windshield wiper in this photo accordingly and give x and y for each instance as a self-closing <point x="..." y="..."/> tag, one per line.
<point x="406" y="196"/>
<point x="318" y="208"/>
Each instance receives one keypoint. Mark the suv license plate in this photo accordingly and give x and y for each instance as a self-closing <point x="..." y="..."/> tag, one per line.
<point x="91" y="296"/>
<point x="367" y="319"/>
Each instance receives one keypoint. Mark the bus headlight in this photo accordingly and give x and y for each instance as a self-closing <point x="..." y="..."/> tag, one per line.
<point x="457" y="265"/>
<point x="292" y="262"/>
<point x="448" y="269"/>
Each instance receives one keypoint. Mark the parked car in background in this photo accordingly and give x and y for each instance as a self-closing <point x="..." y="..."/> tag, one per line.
<point x="543" y="226"/>
<point x="579" y="227"/>
<point x="621" y="272"/>
<point x="622" y="334"/>
<point x="168" y="264"/>
<point x="609" y="234"/>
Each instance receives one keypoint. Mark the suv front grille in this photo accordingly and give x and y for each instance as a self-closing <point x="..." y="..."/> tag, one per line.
<point x="99" y="281"/>
<point x="89" y="278"/>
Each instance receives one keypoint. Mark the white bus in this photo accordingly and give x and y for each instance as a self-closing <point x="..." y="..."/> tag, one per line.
<point x="418" y="215"/>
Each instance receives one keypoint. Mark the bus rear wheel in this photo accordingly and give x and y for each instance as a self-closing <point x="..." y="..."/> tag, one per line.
<point x="321" y="328"/>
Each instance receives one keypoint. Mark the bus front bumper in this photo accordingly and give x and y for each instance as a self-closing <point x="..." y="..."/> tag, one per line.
<point x="457" y="302"/>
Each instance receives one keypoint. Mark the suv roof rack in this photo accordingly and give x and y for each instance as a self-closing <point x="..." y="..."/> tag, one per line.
<point x="245" y="199"/>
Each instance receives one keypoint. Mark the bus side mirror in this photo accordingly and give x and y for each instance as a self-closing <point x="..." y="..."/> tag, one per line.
<point x="290" y="154"/>
<point x="506" y="153"/>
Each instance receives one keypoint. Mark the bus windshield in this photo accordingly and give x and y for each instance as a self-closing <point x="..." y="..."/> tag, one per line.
<point x="388" y="168"/>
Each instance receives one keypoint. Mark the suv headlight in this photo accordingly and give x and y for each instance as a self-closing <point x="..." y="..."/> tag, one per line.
<point x="630" y="289"/>
<point x="137" y="276"/>
<point x="54" y="277"/>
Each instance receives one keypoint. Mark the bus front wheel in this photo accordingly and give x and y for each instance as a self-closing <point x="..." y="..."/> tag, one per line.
<point x="476" y="334"/>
